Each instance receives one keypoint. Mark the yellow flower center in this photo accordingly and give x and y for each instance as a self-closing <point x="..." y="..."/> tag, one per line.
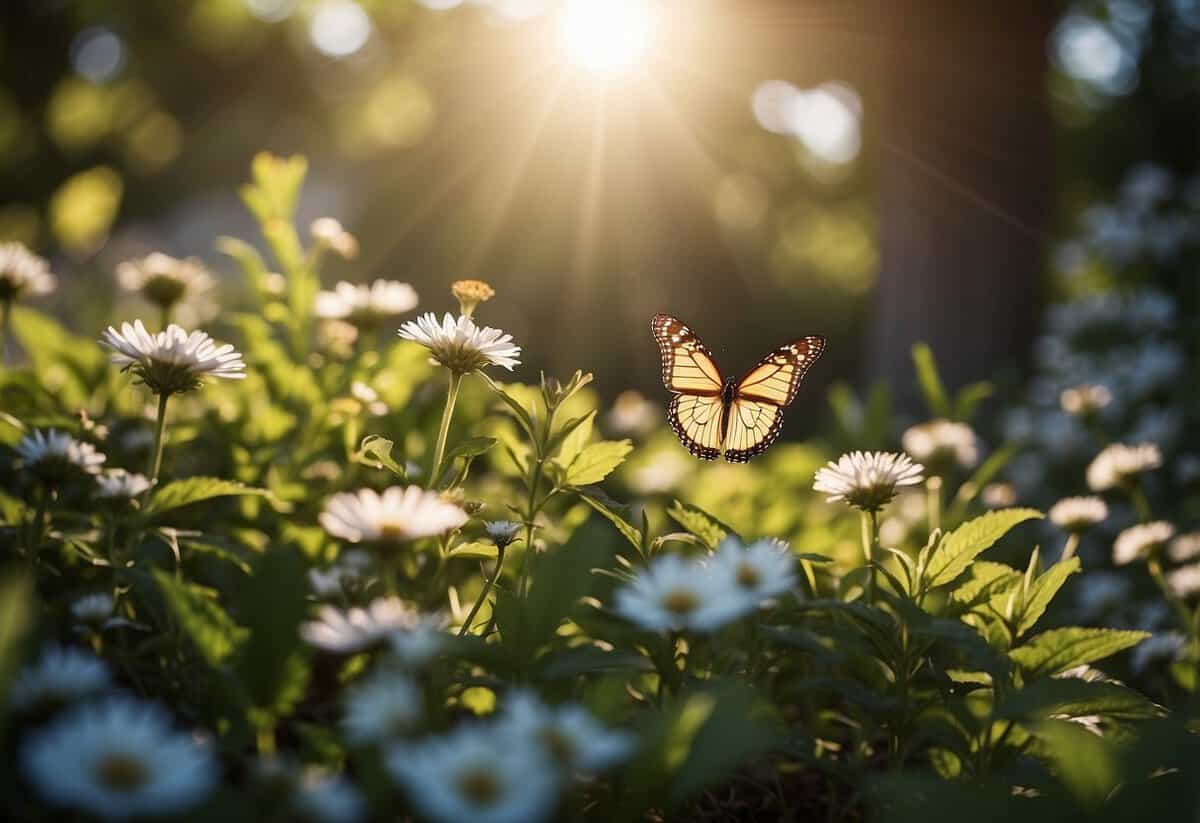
<point x="479" y="786"/>
<point x="681" y="601"/>
<point x="121" y="772"/>
<point x="748" y="576"/>
<point x="392" y="532"/>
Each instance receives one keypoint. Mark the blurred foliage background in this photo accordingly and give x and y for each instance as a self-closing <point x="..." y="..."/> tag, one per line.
<point x="762" y="168"/>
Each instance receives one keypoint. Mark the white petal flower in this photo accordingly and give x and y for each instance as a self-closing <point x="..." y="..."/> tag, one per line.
<point x="61" y="675"/>
<point x="476" y="773"/>
<point x="118" y="759"/>
<point x="23" y="273"/>
<point x="417" y="645"/>
<point x="1137" y="541"/>
<point x="942" y="444"/>
<point x="328" y="232"/>
<point x="118" y="484"/>
<point x="1185" y="547"/>
<point x="1085" y="400"/>
<point x="51" y="453"/>
<point x="1184" y="581"/>
<point x="397" y="516"/>
<point x="173" y="360"/>
<point x="460" y="345"/>
<point x="867" y="480"/>
<point x="1118" y="464"/>
<point x="164" y="280"/>
<point x="346" y="632"/>
<point x="502" y="532"/>
<point x="350" y="569"/>
<point x="571" y="737"/>
<point x="673" y="593"/>
<point x="1075" y="514"/>
<point x="383" y="706"/>
<point x="366" y="305"/>
<point x="324" y="798"/>
<point x="93" y="608"/>
<point x="762" y="570"/>
<point x="632" y="413"/>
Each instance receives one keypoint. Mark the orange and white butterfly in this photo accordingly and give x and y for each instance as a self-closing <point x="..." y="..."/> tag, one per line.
<point x="710" y="414"/>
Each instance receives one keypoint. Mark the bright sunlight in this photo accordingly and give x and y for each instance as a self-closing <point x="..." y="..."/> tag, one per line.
<point x="606" y="35"/>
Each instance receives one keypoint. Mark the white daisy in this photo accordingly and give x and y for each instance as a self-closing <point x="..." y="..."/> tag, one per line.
<point x="346" y="632"/>
<point x="366" y="305"/>
<point x="1138" y="541"/>
<point x="416" y="645"/>
<point x="665" y="471"/>
<point x="1085" y="400"/>
<point x="397" y="516"/>
<point x="51" y="454"/>
<point x="673" y="593"/>
<point x="118" y="759"/>
<point x="942" y="444"/>
<point x="470" y="293"/>
<point x="1117" y="464"/>
<point x="369" y="398"/>
<point x="1162" y="646"/>
<point x="173" y="360"/>
<point x="476" y="773"/>
<point x="762" y="570"/>
<point x="1076" y="514"/>
<point x="1185" y="547"/>
<point x="164" y="280"/>
<point x="23" y="273"/>
<point x="632" y="413"/>
<point x="1184" y="581"/>
<point x="460" y="345"/>
<point x="118" y="484"/>
<point x="328" y="232"/>
<point x="93" y="608"/>
<point x="61" y="675"/>
<point x="382" y="706"/>
<point x="327" y="798"/>
<point x="502" y="532"/>
<point x="998" y="495"/>
<point x="571" y="737"/>
<point x="867" y="480"/>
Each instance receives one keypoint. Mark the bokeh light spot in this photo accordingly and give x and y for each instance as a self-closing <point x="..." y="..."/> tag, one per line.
<point x="606" y="35"/>
<point x="339" y="28"/>
<point x="97" y="54"/>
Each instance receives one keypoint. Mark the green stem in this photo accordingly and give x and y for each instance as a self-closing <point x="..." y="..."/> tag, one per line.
<point x="159" y="438"/>
<point x="933" y="501"/>
<point x="5" y="308"/>
<point x="164" y="317"/>
<point x="444" y="430"/>
<point x="487" y="589"/>
<point x="1072" y="546"/>
<point x="870" y="536"/>
<point x="1154" y="566"/>
<point x="37" y="528"/>
<point x="530" y="516"/>
<point x="1140" y="503"/>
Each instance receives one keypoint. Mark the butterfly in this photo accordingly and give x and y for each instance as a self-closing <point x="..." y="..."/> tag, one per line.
<point x="711" y="414"/>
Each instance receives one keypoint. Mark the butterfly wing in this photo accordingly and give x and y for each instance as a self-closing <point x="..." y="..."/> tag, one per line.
<point x="696" y="413"/>
<point x="756" y="413"/>
<point x="699" y="423"/>
<point x="687" y="364"/>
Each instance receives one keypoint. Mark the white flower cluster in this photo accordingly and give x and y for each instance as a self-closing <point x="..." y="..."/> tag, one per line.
<point x="398" y="515"/>
<point x="23" y="273"/>
<point x="942" y="445"/>
<point x="460" y="345"/>
<point x="164" y="280"/>
<point x="674" y="593"/>
<point x="508" y="770"/>
<point x="51" y="453"/>
<point x="867" y="480"/>
<point x="366" y="305"/>
<point x="171" y="361"/>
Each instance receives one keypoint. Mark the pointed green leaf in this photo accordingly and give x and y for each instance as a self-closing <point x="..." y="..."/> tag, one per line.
<point x="958" y="548"/>
<point x="376" y="452"/>
<point x="597" y="461"/>
<point x="610" y="510"/>
<point x="930" y="381"/>
<point x="193" y="490"/>
<point x="209" y="626"/>
<point x="1043" y="590"/>
<point x="1057" y="650"/>
<point x="700" y="523"/>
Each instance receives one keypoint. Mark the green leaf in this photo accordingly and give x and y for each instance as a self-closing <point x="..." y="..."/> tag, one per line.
<point x="1057" y="650"/>
<point x="16" y="617"/>
<point x="376" y="452"/>
<point x="1043" y="590"/>
<point x="209" y="626"/>
<point x="986" y="579"/>
<point x="609" y="509"/>
<point x="519" y="412"/>
<point x="471" y="447"/>
<point x="709" y="529"/>
<point x="474" y="551"/>
<point x="193" y="490"/>
<point x="77" y="363"/>
<point x="597" y="461"/>
<point x="967" y="401"/>
<point x="1072" y="697"/>
<point x="930" y="381"/>
<point x="958" y="548"/>
<point x="574" y="436"/>
<point x="1085" y="762"/>
<point x="272" y="603"/>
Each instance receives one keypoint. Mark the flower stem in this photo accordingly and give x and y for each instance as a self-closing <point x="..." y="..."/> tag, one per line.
<point x="159" y="438"/>
<point x="1070" y="548"/>
<point x="1154" y="566"/>
<point x="165" y="317"/>
<point x="870" y="536"/>
<point x="37" y="528"/>
<point x="447" y="413"/>
<point x="1140" y="502"/>
<point x="487" y="589"/>
<point x="933" y="500"/>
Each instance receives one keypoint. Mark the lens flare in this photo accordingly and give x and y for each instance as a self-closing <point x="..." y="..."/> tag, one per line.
<point x="606" y="35"/>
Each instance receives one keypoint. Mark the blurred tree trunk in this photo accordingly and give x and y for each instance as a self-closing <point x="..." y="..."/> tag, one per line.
<point x="966" y="186"/>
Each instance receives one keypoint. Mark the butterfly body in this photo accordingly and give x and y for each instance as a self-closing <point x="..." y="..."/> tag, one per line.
<point x="712" y="415"/>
